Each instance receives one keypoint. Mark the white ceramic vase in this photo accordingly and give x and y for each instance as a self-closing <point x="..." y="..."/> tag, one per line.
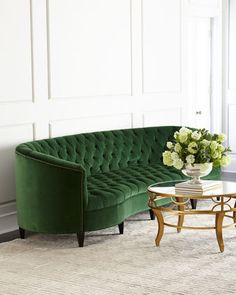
<point x="196" y="171"/>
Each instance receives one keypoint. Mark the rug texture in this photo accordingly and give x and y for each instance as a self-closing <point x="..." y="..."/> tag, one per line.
<point x="186" y="263"/>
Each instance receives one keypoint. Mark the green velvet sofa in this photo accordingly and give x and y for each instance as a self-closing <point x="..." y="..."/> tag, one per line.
<point x="91" y="181"/>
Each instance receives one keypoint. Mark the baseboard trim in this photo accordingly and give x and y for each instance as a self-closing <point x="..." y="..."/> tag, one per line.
<point x="6" y="237"/>
<point x="229" y="172"/>
<point x="8" y="221"/>
<point x="229" y="175"/>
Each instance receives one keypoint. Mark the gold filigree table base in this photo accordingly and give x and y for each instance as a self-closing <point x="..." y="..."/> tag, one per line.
<point x="221" y="208"/>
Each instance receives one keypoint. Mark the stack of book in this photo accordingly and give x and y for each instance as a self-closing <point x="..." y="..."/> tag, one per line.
<point x="197" y="189"/>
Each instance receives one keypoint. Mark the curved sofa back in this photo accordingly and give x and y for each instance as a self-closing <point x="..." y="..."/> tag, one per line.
<point x="104" y="151"/>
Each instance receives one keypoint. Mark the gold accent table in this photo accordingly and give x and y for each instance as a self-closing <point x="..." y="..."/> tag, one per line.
<point x="220" y="199"/>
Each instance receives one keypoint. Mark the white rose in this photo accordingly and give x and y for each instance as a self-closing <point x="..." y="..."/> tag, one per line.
<point x="169" y="145"/>
<point x="176" y="134"/>
<point x="220" y="148"/>
<point x="216" y="155"/>
<point x="205" y="142"/>
<point x="183" y="137"/>
<point x="196" y="135"/>
<point x="221" y="137"/>
<point x="190" y="159"/>
<point x="193" y="147"/>
<point x="177" y="147"/>
<point x="184" y="130"/>
<point x="214" y="145"/>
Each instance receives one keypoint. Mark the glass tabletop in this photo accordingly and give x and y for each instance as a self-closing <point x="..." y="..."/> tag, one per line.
<point x="167" y="188"/>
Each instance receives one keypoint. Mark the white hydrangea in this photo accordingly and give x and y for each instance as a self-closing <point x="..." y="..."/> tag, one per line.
<point x="225" y="160"/>
<point x="167" y="160"/>
<point x="178" y="164"/>
<point x="174" y="156"/>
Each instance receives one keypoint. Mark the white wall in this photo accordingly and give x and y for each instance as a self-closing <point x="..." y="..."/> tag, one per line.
<point x="71" y="66"/>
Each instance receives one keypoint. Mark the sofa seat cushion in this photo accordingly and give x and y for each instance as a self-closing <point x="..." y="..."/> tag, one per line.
<point x="114" y="187"/>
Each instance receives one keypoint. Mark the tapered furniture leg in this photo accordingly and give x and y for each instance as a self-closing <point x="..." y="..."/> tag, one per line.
<point x="234" y="214"/>
<point x="22" y="233"/>
<point x="193" y="203"/>
<point x="80" y="238"/>
<point x="181" y="215"/>
<point x="218" y="223"/>
<point x="152" y="215"/>
<point x="160" y="221"/>
<point x="121" y="228"/>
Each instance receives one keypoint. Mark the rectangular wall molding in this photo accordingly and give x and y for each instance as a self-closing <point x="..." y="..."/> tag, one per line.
<point x="231" y="126"/>
<point x="96" y="66"/>
<point x="87" y="124"/>
<point x="202" y="8"/>
<point x="162" y="71"/>
<point x="229" y="81"/>
<point x="164" y="117"/>
<point x="231" y="45"/>
<point x="16" y="51"/>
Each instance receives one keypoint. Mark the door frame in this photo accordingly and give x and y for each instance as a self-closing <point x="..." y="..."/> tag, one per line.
<point x="216" y="71"/>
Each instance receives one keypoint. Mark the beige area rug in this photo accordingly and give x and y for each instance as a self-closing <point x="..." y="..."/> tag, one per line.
<point x="186" y="263"/>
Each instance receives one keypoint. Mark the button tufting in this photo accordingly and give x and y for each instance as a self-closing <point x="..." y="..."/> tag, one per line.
<point x="115" y="149"/>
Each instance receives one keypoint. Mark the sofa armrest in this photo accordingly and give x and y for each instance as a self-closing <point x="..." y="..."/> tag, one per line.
<point x="50" y="194"/>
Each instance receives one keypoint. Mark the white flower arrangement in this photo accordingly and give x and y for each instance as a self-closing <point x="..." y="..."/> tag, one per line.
<point x="196" y="147"/>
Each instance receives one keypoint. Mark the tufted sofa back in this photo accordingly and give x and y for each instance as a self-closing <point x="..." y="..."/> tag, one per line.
<point x="105" y="151"/>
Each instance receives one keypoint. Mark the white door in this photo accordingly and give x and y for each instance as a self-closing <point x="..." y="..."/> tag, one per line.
<point x="198" y="65"/>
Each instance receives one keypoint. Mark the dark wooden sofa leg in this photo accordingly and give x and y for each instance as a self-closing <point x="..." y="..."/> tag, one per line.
<point x="80" y="238"/>
<point x="121" y="228"/>
<point x="152" y="215"/>
<point x="22" y="233"/>
<point x="193" y="203"/>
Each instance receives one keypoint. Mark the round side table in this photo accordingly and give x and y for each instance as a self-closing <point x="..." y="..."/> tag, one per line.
<point x="222" y="205"/>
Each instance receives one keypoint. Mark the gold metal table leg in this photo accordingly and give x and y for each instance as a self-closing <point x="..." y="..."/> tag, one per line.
<point x="218" y="223"/>
<point x="180" y="216"/>
<point x="160" y="221"/>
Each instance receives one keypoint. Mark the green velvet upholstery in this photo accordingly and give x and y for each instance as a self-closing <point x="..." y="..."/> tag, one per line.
<point x="90" y="181"/>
